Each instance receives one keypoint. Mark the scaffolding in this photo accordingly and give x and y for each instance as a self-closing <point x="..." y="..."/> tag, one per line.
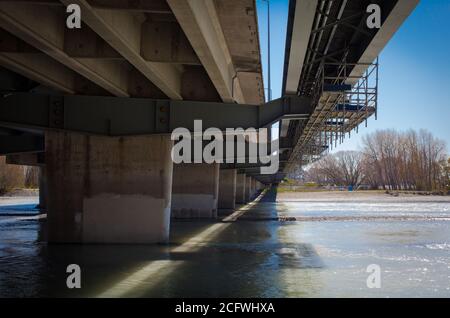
<point x="344" y="95"/>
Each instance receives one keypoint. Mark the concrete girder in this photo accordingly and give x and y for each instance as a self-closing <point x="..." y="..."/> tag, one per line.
<point x="303" y="20"/>
<point x="200" y="22"/>
<point x="21" y="58"/>
<point x="153" y="6"/>
<point x="164" y="42"/>
<point x="42" y="69"/>
<point x="123" y="32"/>
<point x="41" y="27"/>
<point x="398" y="15"/>
<point x="239" y="22"/>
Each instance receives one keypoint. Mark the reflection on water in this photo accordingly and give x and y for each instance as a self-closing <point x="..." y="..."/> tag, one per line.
<point x="250" y="255"/>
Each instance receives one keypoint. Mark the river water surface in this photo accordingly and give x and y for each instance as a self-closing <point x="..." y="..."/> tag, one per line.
<point x="302" y="245"/>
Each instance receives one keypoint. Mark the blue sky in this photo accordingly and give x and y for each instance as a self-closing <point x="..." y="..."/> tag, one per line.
<point x="414" y="86"/>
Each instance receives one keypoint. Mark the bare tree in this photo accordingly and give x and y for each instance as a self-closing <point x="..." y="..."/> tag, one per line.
<point x="343" y="168"/>
<point x="390" y="160"/>
<point x="11" y="176"/>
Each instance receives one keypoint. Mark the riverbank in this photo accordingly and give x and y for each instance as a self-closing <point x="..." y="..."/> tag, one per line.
<point x="20" y="192"/>
<point x="339" y="196"/>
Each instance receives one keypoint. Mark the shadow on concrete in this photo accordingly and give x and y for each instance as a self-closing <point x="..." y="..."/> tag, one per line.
<point x="270" y="195"/>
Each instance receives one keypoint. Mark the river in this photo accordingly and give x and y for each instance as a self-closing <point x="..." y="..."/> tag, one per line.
<point x="299" y="245"/>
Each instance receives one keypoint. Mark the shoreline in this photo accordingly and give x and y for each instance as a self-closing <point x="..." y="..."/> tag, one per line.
<point x="355" y="196"/>
<point x="19" y="192"/>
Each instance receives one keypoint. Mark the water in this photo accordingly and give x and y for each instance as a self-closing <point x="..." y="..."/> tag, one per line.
<point x="324" y="255"/>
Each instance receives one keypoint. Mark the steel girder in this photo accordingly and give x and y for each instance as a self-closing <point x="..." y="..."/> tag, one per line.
<point x="115" y="116"/>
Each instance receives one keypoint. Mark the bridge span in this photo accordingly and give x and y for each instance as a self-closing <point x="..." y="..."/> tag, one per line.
<point x="94" y="107"/>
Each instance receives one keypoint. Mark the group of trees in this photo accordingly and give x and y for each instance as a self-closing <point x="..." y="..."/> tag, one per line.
<point x="13" y="176"/>
<point x="388" y="160"/>
<point x="341" y="168"/>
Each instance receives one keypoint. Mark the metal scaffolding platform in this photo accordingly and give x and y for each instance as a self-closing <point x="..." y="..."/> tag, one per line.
<point x="341" y="102"/>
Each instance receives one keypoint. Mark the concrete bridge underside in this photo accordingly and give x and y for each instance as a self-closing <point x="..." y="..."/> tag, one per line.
<point x="94" y="107"/>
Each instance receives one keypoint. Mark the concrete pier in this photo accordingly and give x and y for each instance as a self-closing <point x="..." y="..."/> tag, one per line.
<point x="195" y="190"/>
<point x="43" y="189"/>
<point x="253" y="188"/>
<point x="227" y="189"/>
<point x="248" y="189"/>
<point x="108" y="189"/>
<point x="240" y="188"/>
<point x="259" y="185"/>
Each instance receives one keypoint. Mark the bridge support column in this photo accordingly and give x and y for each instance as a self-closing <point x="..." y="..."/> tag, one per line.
<point x="254" y="187"/>
<point x="248" y="189"/>
<point x="260" y="186"/>
<point x="195" y="190"/>
<point x="42" y="189"/>
<point x="108" y="189"/>
<point x="240" y="188"/>
<point x="227" y="189"/>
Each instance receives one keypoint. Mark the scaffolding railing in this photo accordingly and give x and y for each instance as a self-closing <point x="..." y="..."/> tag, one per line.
<point x="342" y="100"/>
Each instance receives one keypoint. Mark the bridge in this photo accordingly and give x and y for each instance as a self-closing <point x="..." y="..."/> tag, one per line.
<point x="94" y="107"/>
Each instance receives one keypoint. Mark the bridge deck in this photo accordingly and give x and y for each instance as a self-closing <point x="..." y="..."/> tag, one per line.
<point x="329" y="45"/>
<point x="203" y="51"/>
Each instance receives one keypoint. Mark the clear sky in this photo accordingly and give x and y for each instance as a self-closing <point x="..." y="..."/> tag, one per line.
<point x="414" y="78"/>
